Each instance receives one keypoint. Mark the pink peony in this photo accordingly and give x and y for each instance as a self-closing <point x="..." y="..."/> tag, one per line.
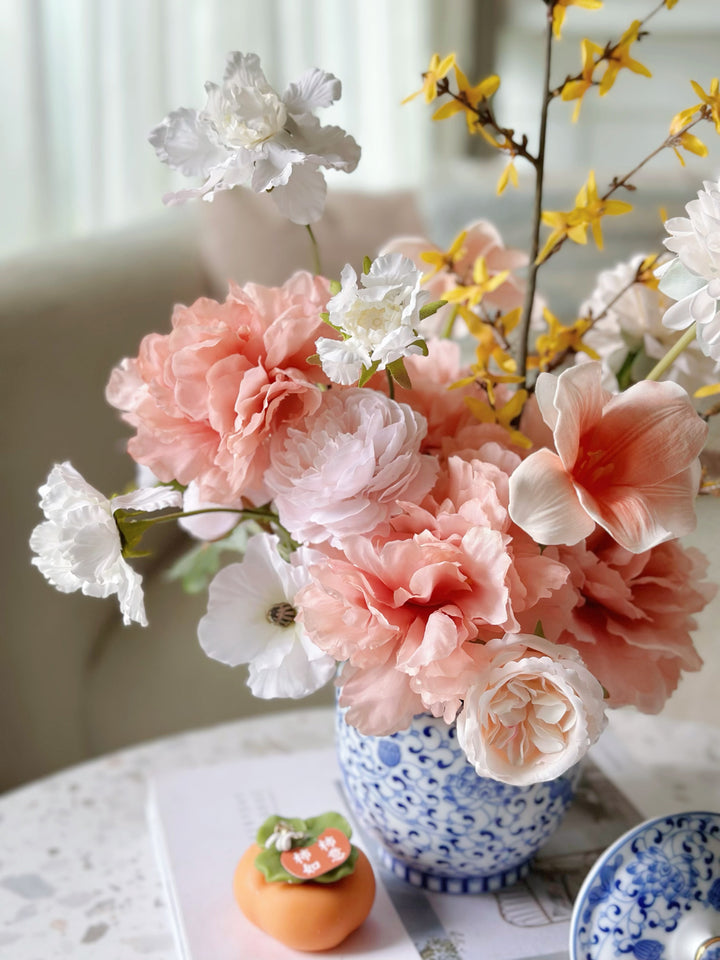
<point x="532" y="713"/>
<point x="482" y="240"/>
<point x="627" y="462"/>
<point x="630" y="615"/>
<point x="342" y="470"/>
<point x="419" y="601"/>
<point x="432" y="377"/>
<point x="206" y="398"/>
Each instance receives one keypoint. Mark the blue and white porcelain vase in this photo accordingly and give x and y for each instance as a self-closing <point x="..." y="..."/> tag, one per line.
<point x="436" y="823"/>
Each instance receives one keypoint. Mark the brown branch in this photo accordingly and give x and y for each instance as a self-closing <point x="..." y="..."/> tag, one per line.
<point x="537" y="208"/>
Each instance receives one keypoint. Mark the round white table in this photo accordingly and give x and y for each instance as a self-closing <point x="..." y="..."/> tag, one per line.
<point x="77" y="871"/>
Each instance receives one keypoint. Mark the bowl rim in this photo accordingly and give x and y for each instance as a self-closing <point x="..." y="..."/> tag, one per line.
<point x="630" y="834"/>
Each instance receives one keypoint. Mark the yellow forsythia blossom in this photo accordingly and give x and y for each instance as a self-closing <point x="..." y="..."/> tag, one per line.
<point x="588" y="211"/>
<point x="576" y="89"/>
<point x="560" y="8"/>
<point x="619" y="58"/>
<point x="437" y="70"/>
<point x="559" y="339"/>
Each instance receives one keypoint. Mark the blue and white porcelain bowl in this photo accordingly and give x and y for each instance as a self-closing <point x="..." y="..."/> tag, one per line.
<point x="654" y="894"/>
<point x="437" y="823"/>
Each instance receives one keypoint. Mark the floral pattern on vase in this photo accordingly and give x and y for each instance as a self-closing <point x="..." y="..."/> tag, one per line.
<point x="654" y="894"/>
<point x="437" y="824"/>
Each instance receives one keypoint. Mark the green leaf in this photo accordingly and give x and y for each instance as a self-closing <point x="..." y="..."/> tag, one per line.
<point x="131" y="531"/>
<point x="399" y="373"/>
<point x="539" y="632"/>
<point x="196" y="568"/>
<point x="335" y="287"/>
<point x="422" y="344"/>
<point x="430" y="308"/>
<point x="624" y="374"/>
<point x="267" y="827"/>
<point x="326" y="821"/>
<point x="314" y="360"/>
<point x="268" y="860"/>
<point x="367" y="373"/>
<point x="367" y="263"/>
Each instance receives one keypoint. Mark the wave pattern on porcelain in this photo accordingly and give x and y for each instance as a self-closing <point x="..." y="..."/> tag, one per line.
<point x="438" y="825"/>
<point x="654" y="894"/>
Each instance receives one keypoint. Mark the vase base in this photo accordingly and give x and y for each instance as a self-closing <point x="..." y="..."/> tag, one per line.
<point x="439" y="884"/>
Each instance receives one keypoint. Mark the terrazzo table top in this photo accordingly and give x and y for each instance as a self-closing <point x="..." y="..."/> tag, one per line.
<point x="77" y="872"/>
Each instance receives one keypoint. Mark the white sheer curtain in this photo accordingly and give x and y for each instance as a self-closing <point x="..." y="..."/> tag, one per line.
<point x="85" y="80"/>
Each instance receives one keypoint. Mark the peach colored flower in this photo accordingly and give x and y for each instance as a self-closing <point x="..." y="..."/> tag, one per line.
<point x="630" y="615"/>
<point x="432" y="376"/>
<point x="343" y="469"/>
<point x="482" y="240"/>
<point x="420" y="601"/>
<point x="532" y="713"/>
<point x="626" y="462"/>
<point x="206" y="398"/>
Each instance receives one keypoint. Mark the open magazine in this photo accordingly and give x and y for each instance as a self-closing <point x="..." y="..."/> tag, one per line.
<point x="202" y="819"/>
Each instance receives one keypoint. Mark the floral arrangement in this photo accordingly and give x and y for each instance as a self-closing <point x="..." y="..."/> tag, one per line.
<point x="494" y="541"/>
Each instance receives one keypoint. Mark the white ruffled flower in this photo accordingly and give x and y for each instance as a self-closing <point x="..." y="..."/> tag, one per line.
<point x="251" y="619"/>
<point x="79" y="546"/>
<point x="533" y="713"/>
<point x="379" y="319"/>
<point x="247" y="135"/>
<point x="632" y="329"/>
<point x="692" y="278"/>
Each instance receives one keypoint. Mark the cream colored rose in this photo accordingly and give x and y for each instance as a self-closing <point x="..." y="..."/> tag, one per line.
<point x="533" y="713"/>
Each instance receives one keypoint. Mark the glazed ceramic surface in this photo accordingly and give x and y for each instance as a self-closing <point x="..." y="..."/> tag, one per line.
<point x="437" y="823"/>
<point x="654" y="894"/>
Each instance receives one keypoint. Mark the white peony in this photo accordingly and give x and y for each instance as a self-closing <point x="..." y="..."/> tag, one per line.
<point x="533" y="712"/>
<point x="79" y="546"/>
<point x="251" y="619"/>
<point x="692" y="277"/>
<point x="631" y="330"/>
<point x="379" y="319"/>
<point x="248" y="135"/>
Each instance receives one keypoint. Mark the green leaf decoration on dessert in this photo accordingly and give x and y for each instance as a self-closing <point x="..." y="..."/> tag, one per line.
<point x="278" y="835"/>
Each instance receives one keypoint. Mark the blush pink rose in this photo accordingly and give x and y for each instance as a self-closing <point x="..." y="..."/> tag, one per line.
<point x="206" y="398"/>
<point x="628" y="463"/>
<point x="533" y="712"/>
<point x="482" y="240"/>
<point x="630" y="615"/>
<point x="343" y="469"/>
<point x="421" y="600"/>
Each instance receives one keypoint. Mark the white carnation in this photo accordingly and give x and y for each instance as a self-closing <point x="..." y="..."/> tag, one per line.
<point x="248" y="135"/>
<point x="79" y="545"/>
<point x="692" y="278"/>
<point x="631" y="329"/>
<point x="379" y="318"/>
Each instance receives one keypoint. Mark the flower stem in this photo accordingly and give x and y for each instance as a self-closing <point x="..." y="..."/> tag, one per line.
<point x="315" y="250"/>
<point x="537" y="210"/>
<point x="662" y="365"/>
<point x="132" y="527"/>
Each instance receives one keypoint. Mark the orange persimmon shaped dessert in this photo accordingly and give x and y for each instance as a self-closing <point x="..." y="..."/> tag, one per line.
<point x="303" y="882"/>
